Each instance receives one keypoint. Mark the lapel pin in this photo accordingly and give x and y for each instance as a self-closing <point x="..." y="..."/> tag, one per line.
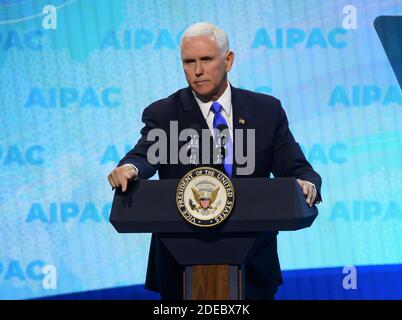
<point x="242" y="121"/>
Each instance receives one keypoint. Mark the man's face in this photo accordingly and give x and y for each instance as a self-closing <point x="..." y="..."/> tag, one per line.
<point x="205" y="66"/>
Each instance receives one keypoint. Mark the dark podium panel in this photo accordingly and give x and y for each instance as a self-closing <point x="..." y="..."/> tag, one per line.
<point x="212" y="257"/>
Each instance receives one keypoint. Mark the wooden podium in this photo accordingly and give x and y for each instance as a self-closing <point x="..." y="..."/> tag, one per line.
<point x="212" y="258"/>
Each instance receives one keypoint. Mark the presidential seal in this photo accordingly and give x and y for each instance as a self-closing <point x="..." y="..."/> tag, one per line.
<point x="205" y="197"/>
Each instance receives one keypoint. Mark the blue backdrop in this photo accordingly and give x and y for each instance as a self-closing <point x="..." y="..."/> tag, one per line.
<point x="71" y="100"/>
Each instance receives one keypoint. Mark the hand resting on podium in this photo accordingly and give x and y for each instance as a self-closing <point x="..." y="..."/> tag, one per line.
<point x="120" y="176"/>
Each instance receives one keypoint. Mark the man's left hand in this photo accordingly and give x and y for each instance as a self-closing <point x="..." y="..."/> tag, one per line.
<point x="309" y="191"/>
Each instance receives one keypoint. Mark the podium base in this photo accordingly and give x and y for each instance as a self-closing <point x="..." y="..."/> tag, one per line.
<point x="213" y="282"/>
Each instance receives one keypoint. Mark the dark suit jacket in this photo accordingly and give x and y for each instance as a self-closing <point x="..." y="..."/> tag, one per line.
<point x="276" y="152"/>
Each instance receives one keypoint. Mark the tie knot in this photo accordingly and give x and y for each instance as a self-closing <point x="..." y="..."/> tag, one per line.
<point x="216" y="107"/>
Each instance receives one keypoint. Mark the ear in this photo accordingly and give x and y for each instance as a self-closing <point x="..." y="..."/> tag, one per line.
<point x="229" y="60"/>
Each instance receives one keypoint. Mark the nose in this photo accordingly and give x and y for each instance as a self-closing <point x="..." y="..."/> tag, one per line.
<point x="198" y="69"/>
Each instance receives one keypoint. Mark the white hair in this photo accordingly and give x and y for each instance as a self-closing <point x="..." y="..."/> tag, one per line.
<point x="208" y="29"/>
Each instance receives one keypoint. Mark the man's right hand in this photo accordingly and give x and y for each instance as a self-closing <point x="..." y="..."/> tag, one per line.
<point x="120" y="176"/>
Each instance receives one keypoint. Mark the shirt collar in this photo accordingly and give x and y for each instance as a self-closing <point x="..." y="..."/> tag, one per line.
<point x="225" y="100"/>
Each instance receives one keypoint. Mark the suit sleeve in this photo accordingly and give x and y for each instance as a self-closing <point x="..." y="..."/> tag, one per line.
<point x="138" y="155"/>
<point x="289" y="160"/>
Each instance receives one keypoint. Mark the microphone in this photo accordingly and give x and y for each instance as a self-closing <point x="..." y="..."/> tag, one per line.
<point x="217" y="148"/>
<point x="220" y="142"/>
<point x="194" y="146"/>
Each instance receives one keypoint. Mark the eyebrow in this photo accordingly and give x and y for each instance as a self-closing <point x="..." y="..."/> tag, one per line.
<point x="201" y="58"/>
<point x="188" y="59"/>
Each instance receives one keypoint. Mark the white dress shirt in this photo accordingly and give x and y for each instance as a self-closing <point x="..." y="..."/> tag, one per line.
<point x="225" y="100"/>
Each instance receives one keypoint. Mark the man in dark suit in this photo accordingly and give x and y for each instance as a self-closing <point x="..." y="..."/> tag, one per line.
<point x="206" y="61"/>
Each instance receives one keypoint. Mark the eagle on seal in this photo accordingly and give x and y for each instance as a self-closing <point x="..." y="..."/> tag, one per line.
<point x="205" y="199"/>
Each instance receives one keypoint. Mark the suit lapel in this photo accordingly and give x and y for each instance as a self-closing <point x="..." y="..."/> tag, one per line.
<point x="240" y="121"/>
<point x="192" y="114"/>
